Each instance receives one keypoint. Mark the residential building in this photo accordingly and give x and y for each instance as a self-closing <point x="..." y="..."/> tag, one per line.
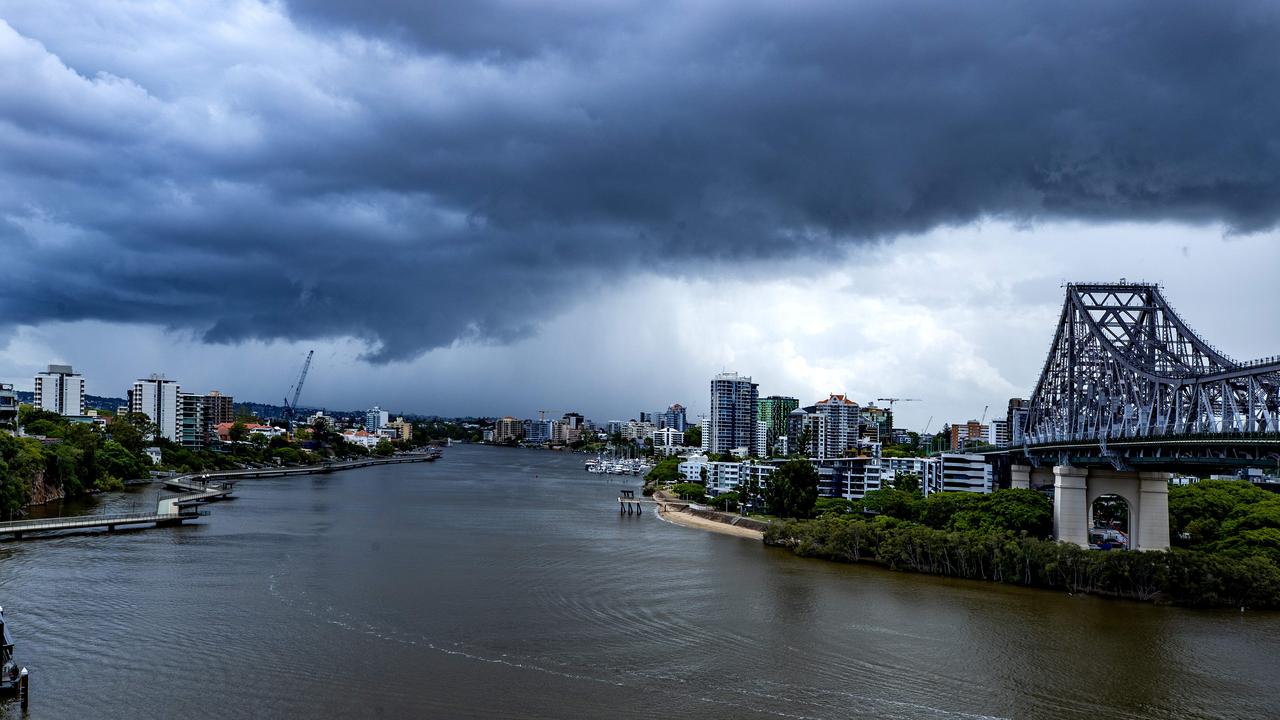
<point x="774" y="411"/>
<point x="850" y="478"/>
<point x="536" y="431"/>
<point x="506" y="429"/>
<point x="673" y="417"/>
<point x="691" y="468"/>
<point x="876" y="423"/>
<point x="732" y="423"/>
<point x="223" y="430"/>
<point x="646" y="417"/>
<point x="963" y="434"/>
<point x="826" y="429"/>
<point x="8" y="406"/>
<point x="1016" y="417"/>
<point x="998" y="433"/>
<point x="723" y="477"/>
<point x="375" y="418"/>
<point x="403" y="429"/>
<point x="928" y="470"/>
<point x="638" y="431"/>
<point x="575" y="421"/>
<point x="218" y="408"/>
<point x="761" y="448"/>
<point x="965" y="472"/>
<point x="192" y="432"/>
<point x="157" y="399"/>
<point x="668" y="441"/>
<point x="61" y="390"/>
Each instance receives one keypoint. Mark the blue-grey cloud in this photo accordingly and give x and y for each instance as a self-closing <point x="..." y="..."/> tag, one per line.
<point x="414" y="174"/>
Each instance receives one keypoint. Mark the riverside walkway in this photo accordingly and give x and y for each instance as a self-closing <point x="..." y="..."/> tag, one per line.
<point x="198" y="489"/>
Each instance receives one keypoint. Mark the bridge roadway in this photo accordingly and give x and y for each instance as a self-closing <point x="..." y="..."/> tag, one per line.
<point x="202" y="488"/>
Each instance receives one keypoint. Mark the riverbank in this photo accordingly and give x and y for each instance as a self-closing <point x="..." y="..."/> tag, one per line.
<point x="679" y="513"/>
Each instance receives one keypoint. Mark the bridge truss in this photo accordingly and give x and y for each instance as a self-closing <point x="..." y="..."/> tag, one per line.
<point x="1123" y="366"/>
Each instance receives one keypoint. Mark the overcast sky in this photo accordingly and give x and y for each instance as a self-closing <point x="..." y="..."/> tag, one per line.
<point x="493" y="206"/>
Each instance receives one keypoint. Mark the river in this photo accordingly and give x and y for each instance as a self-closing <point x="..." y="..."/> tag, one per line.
<point x="502" y="583"/>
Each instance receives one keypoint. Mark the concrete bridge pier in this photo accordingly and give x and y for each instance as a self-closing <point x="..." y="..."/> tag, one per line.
<point x="1076" y="488"/>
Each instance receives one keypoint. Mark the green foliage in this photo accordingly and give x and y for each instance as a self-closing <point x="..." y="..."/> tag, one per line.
<point x="238" y="432"/>
<point x="725" y="501"/>
<point x="907" y="482"/>
<point x="1179" y="576"/>
<point x="793" y="489"/>
<point x="665" y="472"/>
<point x="384" y="448"/>
<point x="693" y="436"/>
<point x="838" y="506"/>
<point x="693" y="492"/>
<point x="892" y="503"/>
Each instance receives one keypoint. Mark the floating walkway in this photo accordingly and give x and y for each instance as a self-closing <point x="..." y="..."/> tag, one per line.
<point x="197" y="489"/>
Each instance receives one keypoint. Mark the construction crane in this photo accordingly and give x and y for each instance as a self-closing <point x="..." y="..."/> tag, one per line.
<point x="985" y="408"/>
<point x="291" y="407"/>
<point x="891" y="401"/>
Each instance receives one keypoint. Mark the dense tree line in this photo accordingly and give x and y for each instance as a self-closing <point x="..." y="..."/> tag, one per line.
<point x="1224" y="532"/>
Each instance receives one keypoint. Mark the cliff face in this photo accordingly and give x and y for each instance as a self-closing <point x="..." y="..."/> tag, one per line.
<point x="43" y="492"/>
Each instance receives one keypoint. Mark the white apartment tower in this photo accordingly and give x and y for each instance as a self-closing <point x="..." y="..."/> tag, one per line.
<point x="157" y="398"/>
<point x="60" y="389"/>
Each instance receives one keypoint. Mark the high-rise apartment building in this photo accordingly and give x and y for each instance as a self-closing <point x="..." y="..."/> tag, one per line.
<point x="218" y="408"/>
<point x="61" y="390"/>
<point x="157" y="399"/>
<point x="732" y="423"/>
<point x="969" y="433"/>
<point x="192" y="431"/>
<point x="673" y="417"/>
<point x="1016" y="417"/>
<point x="507" y="428"/>
<point x="773" y="411"/>
<point x="375" y="418"/>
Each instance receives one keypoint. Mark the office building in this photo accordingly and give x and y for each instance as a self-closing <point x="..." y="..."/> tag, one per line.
<point x="157" y="399"/>
<point x="876" y="423"/>
<point x="773" y="411"/>
<point x="732" y="423"/>
<point x="60" y="390"/>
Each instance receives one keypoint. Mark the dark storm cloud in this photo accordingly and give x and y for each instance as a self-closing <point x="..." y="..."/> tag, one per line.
<point x="478" y="166"/>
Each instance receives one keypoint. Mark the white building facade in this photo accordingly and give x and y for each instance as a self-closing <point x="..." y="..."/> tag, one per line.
<point x="157" y="399"/>
<point x="61" y="390"/>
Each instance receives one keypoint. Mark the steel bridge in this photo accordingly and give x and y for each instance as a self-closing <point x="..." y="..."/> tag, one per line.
<point x="1128" y="383"/>
<point x="1129" y="394"/>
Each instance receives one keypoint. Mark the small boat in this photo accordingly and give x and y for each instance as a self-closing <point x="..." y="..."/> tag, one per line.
<point x="12" y="677"/>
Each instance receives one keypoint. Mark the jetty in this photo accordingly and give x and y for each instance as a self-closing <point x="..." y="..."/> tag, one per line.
<point x="196" y="490"/>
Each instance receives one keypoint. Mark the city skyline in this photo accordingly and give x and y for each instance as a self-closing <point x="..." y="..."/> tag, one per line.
<point x="598" y="207"/>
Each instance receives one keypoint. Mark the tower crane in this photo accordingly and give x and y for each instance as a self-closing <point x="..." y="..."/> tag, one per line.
<point x="291" y="407"/>
<point x="893" y="400"/>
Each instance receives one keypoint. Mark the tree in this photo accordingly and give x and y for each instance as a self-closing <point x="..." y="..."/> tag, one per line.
<point x="1019" y="510"/>
<point x="891" y="503"/>
<point x="693" y="436"/>
<point x="384" y="448"/>
<point x="238" y="432"/>
<point x="907" y="482"/>
<point x="793" y="489"/>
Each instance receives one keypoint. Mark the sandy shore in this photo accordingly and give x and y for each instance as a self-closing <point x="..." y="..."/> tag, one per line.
<point x="675" y="514"/>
